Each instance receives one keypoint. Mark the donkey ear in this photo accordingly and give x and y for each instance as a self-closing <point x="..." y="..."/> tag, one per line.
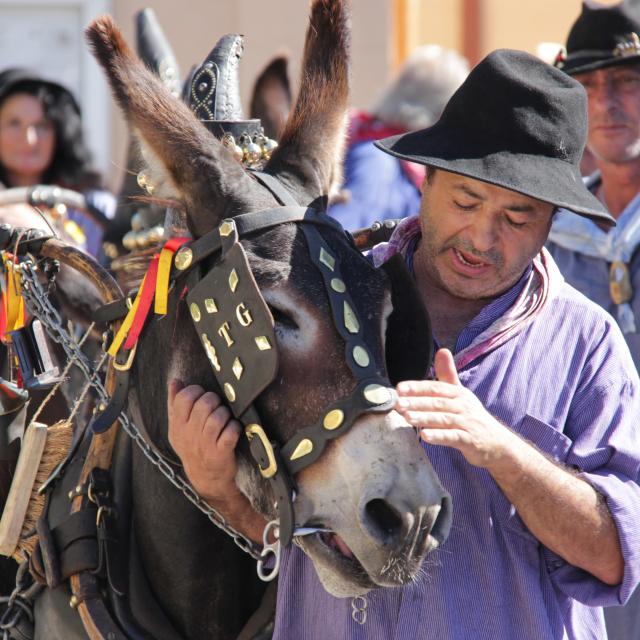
<point x="312" y="144"/>
<point x="409" y="343"/>
<point x="203" y="173"/>
<point x="271" y="99"/>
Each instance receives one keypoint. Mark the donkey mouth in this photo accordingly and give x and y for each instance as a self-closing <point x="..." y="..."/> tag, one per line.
<point x="335" y="542"/>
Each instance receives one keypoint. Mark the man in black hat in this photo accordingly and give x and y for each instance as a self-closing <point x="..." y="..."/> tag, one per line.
<point x="603" y="54"/>
<point x="530" y="419"/>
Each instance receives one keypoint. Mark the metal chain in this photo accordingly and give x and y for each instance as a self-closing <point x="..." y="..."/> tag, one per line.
<point x="39" y="305"/>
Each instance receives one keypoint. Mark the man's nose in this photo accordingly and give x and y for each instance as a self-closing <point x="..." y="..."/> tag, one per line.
<point x="484" y="233"/>
<point x="605" y="95"/>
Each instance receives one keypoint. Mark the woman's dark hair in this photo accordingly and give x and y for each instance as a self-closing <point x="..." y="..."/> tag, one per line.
<point x="71" y="163"/>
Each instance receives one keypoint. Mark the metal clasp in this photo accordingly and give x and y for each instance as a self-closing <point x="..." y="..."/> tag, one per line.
<point x="127" y="365"/>
<point x="272" y="468"/>
<point x="270" y="548"/>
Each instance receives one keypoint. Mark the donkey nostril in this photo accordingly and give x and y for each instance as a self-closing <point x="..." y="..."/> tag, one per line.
<point x="385" y="518"/>
<point x="442" y="523"/>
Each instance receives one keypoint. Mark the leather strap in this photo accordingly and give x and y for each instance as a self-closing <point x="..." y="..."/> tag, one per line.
<point x="279" y="191"/>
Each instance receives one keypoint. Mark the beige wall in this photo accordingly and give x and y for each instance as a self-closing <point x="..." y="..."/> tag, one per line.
<point x="515" y="24"/>
<point x="270" y="27"/>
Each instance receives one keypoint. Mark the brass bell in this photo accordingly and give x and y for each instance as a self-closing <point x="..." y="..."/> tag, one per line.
<point x="129" y="240"/>
<point x="268" y="148"/>
<point x="228" y="141"/>
<point x="156" y="234"/>
<point x="142" y="180"/>
<point x="253" y="153"/>
<point x="136" y="222"/>
<point x="238" y="153"/>
<point x="142" y="239"/>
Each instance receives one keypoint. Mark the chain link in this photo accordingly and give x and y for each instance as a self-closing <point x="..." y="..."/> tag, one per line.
<point x="38" y="304"/>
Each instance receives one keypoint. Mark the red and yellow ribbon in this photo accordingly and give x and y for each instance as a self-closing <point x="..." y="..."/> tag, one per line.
<point x="154" y="285"/>
<point x="13" y="314"/>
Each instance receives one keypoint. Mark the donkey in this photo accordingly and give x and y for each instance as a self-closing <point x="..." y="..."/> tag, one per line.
<point x="372" y="498"/>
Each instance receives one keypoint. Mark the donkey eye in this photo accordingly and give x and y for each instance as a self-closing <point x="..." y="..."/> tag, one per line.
<point x="282" y="318"/>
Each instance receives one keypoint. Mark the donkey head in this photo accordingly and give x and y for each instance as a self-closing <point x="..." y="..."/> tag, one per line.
<point x="372" y="488"/>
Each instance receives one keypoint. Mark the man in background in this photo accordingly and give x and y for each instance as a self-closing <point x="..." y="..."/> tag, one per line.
<point x="378" y="187"/>
<point x="603" y="53"/>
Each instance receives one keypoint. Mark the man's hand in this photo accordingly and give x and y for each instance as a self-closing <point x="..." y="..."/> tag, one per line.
<point x="203" y="434"/>
<point x="561" y="510"/>
<point x="446" y="413"/>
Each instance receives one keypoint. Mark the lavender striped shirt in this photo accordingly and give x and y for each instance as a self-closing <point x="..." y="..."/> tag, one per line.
<point x="566" y="383"/>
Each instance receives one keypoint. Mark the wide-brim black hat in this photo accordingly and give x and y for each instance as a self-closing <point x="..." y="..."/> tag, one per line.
<point x="516" y="122"/>
<point x="602" y="36"/>
<point x="11" y="80"/>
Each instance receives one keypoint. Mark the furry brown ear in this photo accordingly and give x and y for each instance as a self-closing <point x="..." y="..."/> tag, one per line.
<point x="203" y="173"/>
<point x="271" y="98"/>
<point x="409" y="343"/>
<point x="312" y="144"/>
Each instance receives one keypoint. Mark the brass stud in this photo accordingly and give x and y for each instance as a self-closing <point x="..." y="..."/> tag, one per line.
<point x="350" y="319"/>
<point x="210" y="305"/>
<point x="70" y="495"/>
<point x="333" y="419"/>
<point x="327" y="259"/>
<point x="338" y="285"/>
<point x="211" y="352"/>
<point x="74" y="601"/>
<point x="183" y="258"/>
<point x="78" y="488"/>
<point x="237" y="368"/>
<point x="233" y="280"/>
<point x="226" y="228"/>
<point x="305" y="447"/>
<point x="377" y="394"/>
<point x="230" y="392"/>
<point x="263" y="343"/>
<point x="195" y="312"/>
<point x="361" y="356"/>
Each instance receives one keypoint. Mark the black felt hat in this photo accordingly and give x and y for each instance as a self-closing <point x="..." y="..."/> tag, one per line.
<point x="515" y="122"/>
<point x="602" y="36"/>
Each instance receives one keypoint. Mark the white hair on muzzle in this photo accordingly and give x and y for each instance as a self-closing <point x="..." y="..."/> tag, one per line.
<point x="426" y="81"/>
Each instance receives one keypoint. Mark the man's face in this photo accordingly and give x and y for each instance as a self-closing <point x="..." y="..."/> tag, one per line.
<point x="614" y="112"/>
<point x="478" y="239"/>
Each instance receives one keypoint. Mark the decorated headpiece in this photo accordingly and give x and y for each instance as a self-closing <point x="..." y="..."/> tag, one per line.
<point x="213" y="93"/>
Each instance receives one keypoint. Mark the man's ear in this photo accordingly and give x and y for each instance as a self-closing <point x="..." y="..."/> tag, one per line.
<point x="409" y="342"/>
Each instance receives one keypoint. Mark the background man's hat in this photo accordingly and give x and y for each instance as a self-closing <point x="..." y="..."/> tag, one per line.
<point x="516" y="122"/>
<point x="602" y="36"/>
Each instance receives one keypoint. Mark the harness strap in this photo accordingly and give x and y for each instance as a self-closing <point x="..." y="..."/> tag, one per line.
<point x="210" y="243"/>
<point x="279" y="191"/>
